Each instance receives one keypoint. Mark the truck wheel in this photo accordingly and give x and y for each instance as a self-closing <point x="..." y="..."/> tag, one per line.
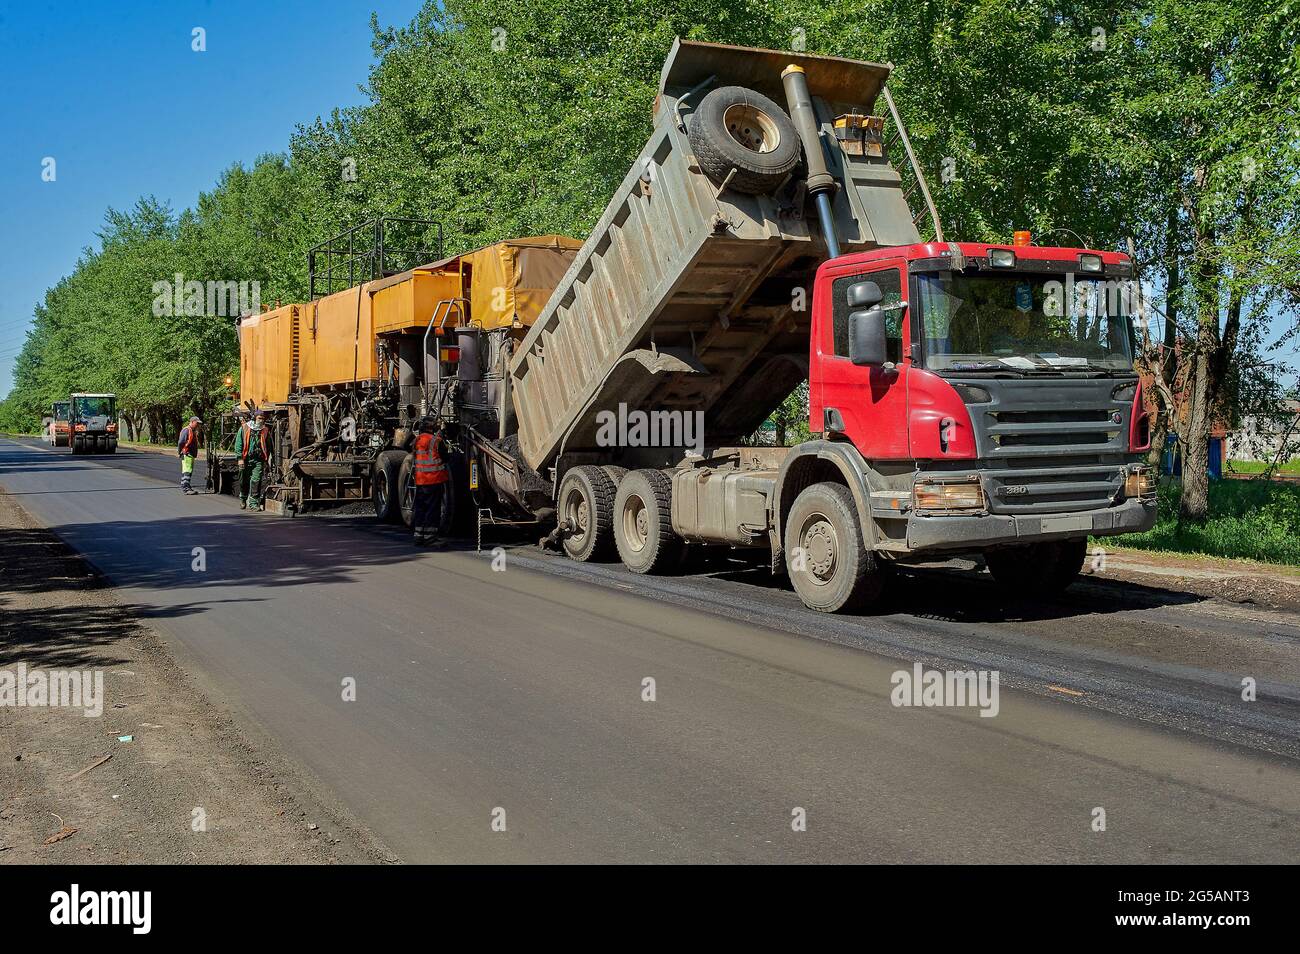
<point x="615" y="474"/>
<point x="737" y="128"/>
<point x="587" y="506"/>
<point x="406" y="488"/>
<point x="1037" y="569"/>
<point x="384" y="485"/>
<point x="825" y="554"/>
<point x="112" y="445"/>
<point x="643" y="527"/>
<point x="1070" y="555"/>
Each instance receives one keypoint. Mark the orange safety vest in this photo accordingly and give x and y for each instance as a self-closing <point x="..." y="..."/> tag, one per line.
<point x="429" y="468"/>
<point x="191" y="445"/>
<point x="264" y="439"/>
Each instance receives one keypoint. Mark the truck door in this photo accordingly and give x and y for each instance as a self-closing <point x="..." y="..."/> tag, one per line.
<point x="871" y="401"/>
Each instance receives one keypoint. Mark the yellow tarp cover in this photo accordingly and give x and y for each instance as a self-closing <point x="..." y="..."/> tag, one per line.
<point x="511" y="281"/>
<point x="408" y="304"/>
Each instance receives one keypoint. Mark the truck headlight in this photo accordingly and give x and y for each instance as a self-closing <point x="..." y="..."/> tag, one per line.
<point x="1140" y="484"/>
<point x="1002" y="258"/>
<point x="948" y="496"/>
<point x="1089" y="263"/>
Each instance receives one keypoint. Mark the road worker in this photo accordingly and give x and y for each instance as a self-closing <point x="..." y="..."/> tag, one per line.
<point x="253" y="449"/>
<point x="431" y="476"/>
<point x="187" y="447"/>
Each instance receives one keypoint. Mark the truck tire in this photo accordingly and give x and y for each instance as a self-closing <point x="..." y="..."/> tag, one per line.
<point x="615" y="474"/>
<point x="384" y="485"/>
<point x="406" y="484"/>
<point x="738" y="129"/>
<point x="643" y="525"/>
<point x="587" y="506"/>
<point x="1037" y="569"/>
<point x="826" y="557"/>
<point x="112" y="445"/>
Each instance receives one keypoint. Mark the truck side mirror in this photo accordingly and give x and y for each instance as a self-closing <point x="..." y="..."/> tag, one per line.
<point x="865" y="294"/>
<point x="867" y="344"/>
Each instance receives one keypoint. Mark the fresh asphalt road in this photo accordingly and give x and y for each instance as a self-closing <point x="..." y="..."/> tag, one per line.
<point x="522" y="691"/>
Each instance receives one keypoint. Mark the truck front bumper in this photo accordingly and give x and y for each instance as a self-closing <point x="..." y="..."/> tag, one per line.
<point x="977" y="531"/>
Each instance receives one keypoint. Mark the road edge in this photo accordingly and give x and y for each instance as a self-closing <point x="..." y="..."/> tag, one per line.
<point x="263" y="760"/>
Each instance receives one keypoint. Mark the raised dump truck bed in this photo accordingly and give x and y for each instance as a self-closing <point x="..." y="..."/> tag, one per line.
<point x="688" y="293"/>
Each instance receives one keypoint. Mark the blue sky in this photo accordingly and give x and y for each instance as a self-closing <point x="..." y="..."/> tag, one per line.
<point x="115" y="94"/>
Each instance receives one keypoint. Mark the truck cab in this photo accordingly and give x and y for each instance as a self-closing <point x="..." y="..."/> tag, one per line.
<point x="978" y="398"/>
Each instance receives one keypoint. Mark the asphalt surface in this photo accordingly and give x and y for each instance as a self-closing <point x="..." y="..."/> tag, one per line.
<point x="520" y="695"/>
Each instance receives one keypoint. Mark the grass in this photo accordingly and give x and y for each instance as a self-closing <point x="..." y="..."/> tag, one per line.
<point x="1249" y="519"/>
<point x="1259" y="466"/>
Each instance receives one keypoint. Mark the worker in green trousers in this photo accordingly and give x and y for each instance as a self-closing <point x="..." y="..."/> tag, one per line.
<point x="253" y="448"/>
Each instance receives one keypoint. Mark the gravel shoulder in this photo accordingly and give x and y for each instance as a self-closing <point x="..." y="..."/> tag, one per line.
<point x="190" y="785"/>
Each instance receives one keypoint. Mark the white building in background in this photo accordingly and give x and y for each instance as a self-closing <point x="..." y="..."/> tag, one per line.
<point x="1260" y="438"/>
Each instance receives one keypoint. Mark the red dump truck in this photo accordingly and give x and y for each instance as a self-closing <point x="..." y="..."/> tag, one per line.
<point x="965" y="398"/>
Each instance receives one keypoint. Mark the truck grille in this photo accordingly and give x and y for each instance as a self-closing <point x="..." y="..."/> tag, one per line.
<point x="1015" y="433"/>
<point x="1051" y="447"/>
<point x="1038" y="486"/>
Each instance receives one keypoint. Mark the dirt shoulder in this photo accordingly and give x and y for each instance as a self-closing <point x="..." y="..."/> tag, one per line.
<point x="189" y="786"/>
<point x="1232" y="581"/>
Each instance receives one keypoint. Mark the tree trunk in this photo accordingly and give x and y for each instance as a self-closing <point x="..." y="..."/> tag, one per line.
<point x="1194" y="504"/>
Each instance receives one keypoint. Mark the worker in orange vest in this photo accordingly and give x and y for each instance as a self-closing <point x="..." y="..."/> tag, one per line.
<point x="188" y="449"/>
<point x="431" y="476"/>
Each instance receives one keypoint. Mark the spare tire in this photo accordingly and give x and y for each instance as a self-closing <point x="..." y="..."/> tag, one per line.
<point x="737" y="128"/>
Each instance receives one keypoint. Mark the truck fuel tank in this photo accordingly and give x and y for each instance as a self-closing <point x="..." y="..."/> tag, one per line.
<point x="730" y="503"/>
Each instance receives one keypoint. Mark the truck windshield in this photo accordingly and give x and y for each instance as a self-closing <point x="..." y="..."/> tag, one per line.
<point x="61" y="412"/>
<point x="1030" y="324"/>
<point x="94" y="407"/>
